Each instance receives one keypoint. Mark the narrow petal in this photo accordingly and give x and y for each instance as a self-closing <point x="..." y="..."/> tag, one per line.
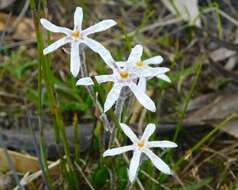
<point x="78" y="18"/>
<point x="134" y="165"/>
<point x="144" y="99"/>
<point x="99" y="27"/>
<point x="158" y="163"/>
<point x="142" y="84"/>
<point x="53" y="28"/>
<point x="151" y="72"/>
<point x="121" y="63"/>
<point x="57" y="44"/>
<point x="116" y="151"/>
<point x="93" y="44"/>
<point x="154" y="60"/>
<point x="149" y="130"/>
<point x="104" y="78"/>
<point x="74" y="59"/>
<point x="164" y="77"/>
<point x="128" y="132"/>
<point x="101" y="50"/>
<point x="112" y="96"/>
<point x="84" y="81"/>
<point x="161" y="144"/>
<point x="135" y="54"/>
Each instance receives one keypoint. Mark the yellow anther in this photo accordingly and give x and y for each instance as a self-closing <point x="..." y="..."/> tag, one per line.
<point x="140" y="64"/>
<point x="76" y="34"/>
<point x="124" y="74"/>
<point x="141" y="144"/>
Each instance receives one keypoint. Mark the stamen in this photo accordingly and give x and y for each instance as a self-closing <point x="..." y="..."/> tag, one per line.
<point x="76" y="34"/>
<point x="141" y="144"/>
<point x="124" y="74"/>
<point x="140" y="64"/>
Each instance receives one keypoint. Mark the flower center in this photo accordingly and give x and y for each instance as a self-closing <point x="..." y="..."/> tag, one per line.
<point x="140" y="64"/>
<point x="141" y="144"/>
<point x="124" y="75"/>
<point x="76" y="34"/>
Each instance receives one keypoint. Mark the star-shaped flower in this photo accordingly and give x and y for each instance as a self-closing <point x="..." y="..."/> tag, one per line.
<point x="142" y="66"/>
<point x="142" y="145"/>
<point x="76" y="37"/>
<point x="122" y="77"/>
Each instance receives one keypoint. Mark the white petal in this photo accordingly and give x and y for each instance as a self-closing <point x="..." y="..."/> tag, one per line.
<point x="74" y="59"/>
<point x="164" y="77"/>
<point x="84" y="81"/>
<point x="99" y="27"/>
<point x="55" y="45"/>
<point x="134" y="165"/>
<point x="78" y="18"/>
<point x="53" y="28"/>
<point x="112" y="96"/>
<point x="119" y="150"/>
<point x="154" y="60"/>
<point x="135" y="54"/>
<point x="142" y="84"/>
<point x="104" y="78"/>
<point x="101" y="50"/>
<point x="142" y="97"/>
<point x="158" y="163"/>
<point x="128" y="132"/>
<point x="149" y="130"/>
<point x="151" y="72"/>
<point x="161" y="144"/>
<point x="121" y="63"/>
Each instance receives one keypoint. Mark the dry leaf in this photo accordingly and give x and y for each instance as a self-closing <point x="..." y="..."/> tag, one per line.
<point x="213" y="108"/>
<point x="23" y="163"/>
<point x="186" y="9"/>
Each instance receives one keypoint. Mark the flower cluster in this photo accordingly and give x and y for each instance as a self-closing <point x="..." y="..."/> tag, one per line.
<point x="132" y="73"/>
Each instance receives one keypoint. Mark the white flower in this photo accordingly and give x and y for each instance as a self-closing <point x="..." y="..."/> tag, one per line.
<point x="76" y="37"/>
<point x="124" y="76"/>
<point x="139" y="146"/>
<point x="142" y="66"/>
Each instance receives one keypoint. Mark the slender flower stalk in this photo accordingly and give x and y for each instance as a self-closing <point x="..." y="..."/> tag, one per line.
<point x="76" y="37"/>
<point x="141" y="146"/>
<point x="125" y="76"/>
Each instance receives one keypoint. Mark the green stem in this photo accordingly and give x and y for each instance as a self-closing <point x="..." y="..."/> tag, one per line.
<point x="55" y="109"/>
<point x="205" y="139"/>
